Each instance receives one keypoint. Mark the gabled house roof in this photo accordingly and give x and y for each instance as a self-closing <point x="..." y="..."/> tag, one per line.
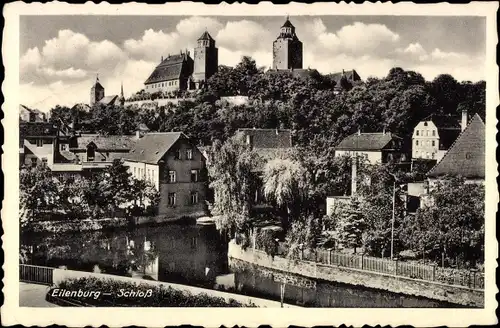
<point x="350" y="75"/>
<point x="108" y="100"/>
<point x="151" y="148"/>
<point x="171" y="68"/>
<point x="367" y="141"/>
<point x="296" y="72"/>
<point x="466" y="157"/>
<point x="112" y="142"/>
<point x="268" y="138"/>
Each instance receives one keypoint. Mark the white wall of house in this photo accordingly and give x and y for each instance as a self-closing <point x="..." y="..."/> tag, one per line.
<point x="164" y="86"/>
<point x="331" y="201"/>
<point x="425" y="141"/>
<point x="372" y="156"/>
<point x="145" y="171"/>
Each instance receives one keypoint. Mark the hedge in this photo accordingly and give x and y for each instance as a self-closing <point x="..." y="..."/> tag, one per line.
<point x="160" y="296"/>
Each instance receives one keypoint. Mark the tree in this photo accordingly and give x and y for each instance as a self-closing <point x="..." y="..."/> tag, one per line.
<point x="452" y="225"/>
<point x="351" y="225"/>
<point x="286" y="183"/>
<point x="232" y="171"/>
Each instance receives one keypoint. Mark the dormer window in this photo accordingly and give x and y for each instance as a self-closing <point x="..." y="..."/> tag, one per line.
<point x="90" y="153"/>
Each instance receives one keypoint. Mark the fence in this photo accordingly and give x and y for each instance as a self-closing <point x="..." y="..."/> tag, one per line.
<point x="465" y="278"/>
<point x="36" y="274"/>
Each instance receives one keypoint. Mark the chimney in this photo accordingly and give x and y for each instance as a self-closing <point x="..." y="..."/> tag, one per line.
<point x="354" y="175"/>
<point x="464" y="119"/>
<point x="161" y="59"/>
<point x="359" y="132"/>
<point x="383" y="131"/>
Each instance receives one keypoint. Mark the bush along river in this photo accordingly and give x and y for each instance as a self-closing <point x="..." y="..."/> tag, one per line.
<point x="194" y="255"/>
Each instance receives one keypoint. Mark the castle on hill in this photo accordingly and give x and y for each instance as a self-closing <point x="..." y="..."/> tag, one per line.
<point x="181" y="72"/>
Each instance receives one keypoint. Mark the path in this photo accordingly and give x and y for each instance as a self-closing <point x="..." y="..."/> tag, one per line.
<point x="32" y="295"/>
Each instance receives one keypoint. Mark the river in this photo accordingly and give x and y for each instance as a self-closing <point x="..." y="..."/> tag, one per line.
<point x="193" y="255"/>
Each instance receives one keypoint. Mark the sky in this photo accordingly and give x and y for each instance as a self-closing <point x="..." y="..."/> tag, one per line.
<point x="60" y="56"/>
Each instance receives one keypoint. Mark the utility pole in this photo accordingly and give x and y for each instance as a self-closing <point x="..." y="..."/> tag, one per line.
<point x="393" y="217"/>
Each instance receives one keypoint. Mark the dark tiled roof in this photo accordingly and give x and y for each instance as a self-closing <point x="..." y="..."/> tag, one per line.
<point x="287" y="23"/>
<point x="268" y="138"/>
<point x="300" y="73"/>
<point x="351" y="76"/>
<point x="171" y="68"/>
<point x="98" y="85"/>
<point x="151" y="148"/>
<point x="68" y="155"/>
<point x="366" y="141"/>
<point x="108" y="100"/>
<point x="466" y="156"/>
<point x="205" y="36"/>
<point x="115" y="142"/>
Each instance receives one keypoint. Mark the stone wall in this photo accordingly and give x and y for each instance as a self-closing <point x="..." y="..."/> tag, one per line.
<point x="395" y="284"/>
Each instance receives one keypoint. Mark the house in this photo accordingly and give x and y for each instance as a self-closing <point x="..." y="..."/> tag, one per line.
<point x="176" y="167"/>
<point x="31" y="115"/>
<point x="94" y="151"/>
<point x="433" y="136"/>
<point x="344" y="80"/>
<point x="466" y="156"/>
<point x="375" y="147"/>
<point x="38" y="143"/>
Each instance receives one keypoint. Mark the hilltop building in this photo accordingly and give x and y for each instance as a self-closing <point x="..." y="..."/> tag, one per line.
<point x="287" y="48"/>
<point x="98" y="97"/>
<point x="181" y="72"/>
<point x="344" y="80"/>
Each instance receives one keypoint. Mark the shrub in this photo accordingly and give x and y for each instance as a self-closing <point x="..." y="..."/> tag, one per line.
<point x="266" y="241"/>
<point x="160" y="296"/>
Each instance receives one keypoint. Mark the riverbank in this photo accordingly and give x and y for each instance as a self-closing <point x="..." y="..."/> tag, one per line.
<point x="61" y="275"/>
<point x="395" y="284"/>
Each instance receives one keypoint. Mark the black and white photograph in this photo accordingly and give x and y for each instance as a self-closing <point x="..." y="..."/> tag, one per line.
<point x="282" y="159"/>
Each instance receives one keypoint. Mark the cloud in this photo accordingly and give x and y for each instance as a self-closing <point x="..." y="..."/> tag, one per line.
<point x="244" y="35"/>
<point x="70" y="55"/>
<point x="355" y="39"/>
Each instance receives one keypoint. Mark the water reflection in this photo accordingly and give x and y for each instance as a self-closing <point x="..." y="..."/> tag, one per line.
<point x="175" y="253"/>
<point x="194" y="255"/>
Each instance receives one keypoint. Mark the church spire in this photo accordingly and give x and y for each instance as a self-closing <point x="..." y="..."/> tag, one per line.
<point x="97" y="77"/>
<point x="121" y="93"/>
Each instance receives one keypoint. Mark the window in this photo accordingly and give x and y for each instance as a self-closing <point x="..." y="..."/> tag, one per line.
<point x="171" y="176"/>
<point x="416" y="153"/>
<point x="39" y="142"/>
<point x="425" y="123"/>
<point x="433" y="133"/>
<point x="44" y="162"/>
<point x="427" y="133"/>
<point x="177" y="154"/>
<point x="193" y="242"/>
<point x="427" y="155"/>
<point x="433" y="155"/>
<point x="33" y="162"/>
<point x="135" y="172"/>
<point x="194" y="175"/>
<point x="64" y="147"/>
<point x="433" y="143"/>
<point x="416" y="143"/>
<point x="171" y="199"/>
<point x="194" y="198"/>
<point x="418" y="132"/>
<point x="149" y="174"/>
<point x="189" y="154"/>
